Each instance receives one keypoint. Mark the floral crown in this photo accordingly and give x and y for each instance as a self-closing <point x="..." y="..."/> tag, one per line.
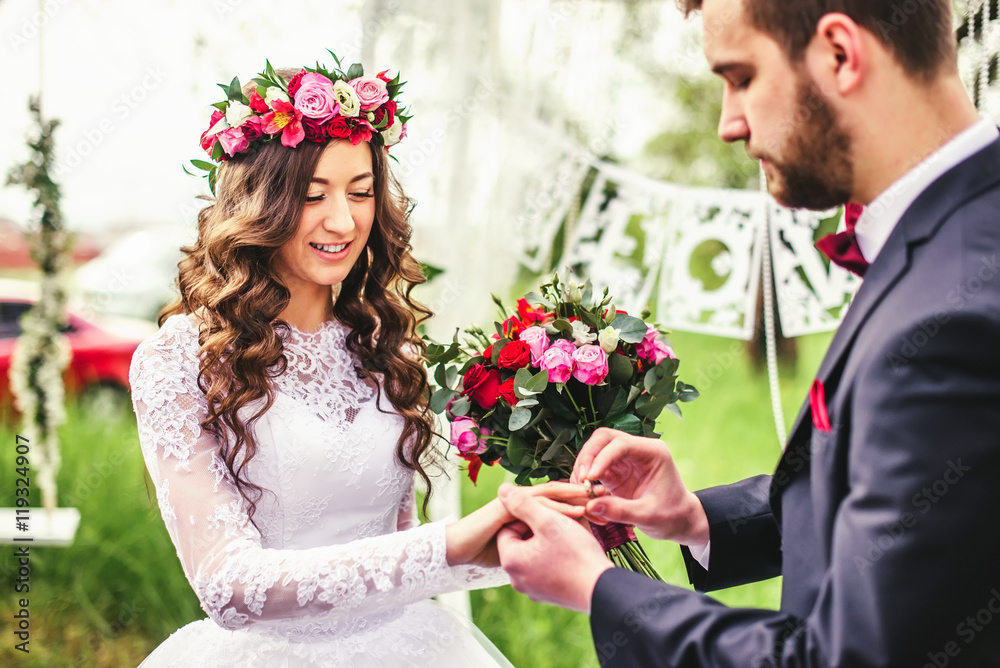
<point x="315" y="105"/>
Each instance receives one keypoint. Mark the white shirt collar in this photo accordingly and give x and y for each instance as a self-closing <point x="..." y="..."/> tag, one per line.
<point x="880" y="217"/>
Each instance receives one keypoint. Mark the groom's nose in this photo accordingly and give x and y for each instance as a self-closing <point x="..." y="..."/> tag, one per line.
<point x="733" y="124"/>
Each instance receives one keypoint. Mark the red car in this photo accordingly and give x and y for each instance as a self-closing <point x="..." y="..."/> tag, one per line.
<point x="101" y="348"/>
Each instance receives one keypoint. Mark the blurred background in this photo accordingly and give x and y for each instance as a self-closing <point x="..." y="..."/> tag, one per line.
<point x="518" y="105"/>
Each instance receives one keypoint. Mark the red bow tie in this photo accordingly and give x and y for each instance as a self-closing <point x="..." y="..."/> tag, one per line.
<point x="842" y="248"/>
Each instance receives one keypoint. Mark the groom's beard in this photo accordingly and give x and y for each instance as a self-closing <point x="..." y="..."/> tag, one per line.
<point x="816" y="171"/>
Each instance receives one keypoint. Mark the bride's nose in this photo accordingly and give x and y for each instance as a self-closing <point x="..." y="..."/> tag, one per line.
<point x="337" y="216"/>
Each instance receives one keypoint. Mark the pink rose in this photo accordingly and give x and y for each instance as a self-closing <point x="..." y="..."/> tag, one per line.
<point x="558" y="363"/>
<point x="647" y="347"/>
<point x="464" y="437"/>
<point x="315" y="98"/>
<point x="662" y="351"/>
<point x="233" y="141"/>
<point x="372" y="92"/>
<point x="565" y="345"/>
<point x="538" y="341"/>
<point x="591" y="364"/>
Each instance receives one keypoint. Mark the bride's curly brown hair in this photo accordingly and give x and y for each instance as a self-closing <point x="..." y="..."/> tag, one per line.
<point x="227" y="279"/>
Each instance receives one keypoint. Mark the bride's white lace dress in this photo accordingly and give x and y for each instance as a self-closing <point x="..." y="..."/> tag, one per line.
<point x="339" y="572"/>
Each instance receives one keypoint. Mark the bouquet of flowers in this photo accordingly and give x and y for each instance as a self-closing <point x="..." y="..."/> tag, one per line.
<point x="529" y="396"/>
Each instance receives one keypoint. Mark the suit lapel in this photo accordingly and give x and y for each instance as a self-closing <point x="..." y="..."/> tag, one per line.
<point x="920" y="223"/>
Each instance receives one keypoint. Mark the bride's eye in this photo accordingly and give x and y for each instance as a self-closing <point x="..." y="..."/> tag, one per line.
<point x="365" y="195"/>
<point x="314" y="198"/>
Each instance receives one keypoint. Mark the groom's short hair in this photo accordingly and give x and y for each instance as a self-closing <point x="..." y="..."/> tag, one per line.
<point x="917" y="32"/>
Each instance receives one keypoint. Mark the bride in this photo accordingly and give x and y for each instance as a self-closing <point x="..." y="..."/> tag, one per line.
<point x="284" y="428"/>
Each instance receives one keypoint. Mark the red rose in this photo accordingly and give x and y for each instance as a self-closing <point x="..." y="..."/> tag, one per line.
<point x="488" y="354"/>
<point x="314" y="131"/>
<point x="482" y="386"/>
<point x="252" y="128"/>
<point x="507" y="392"/>
<point x="295" y="83"/>
<point x="515" y="355"/>
<point x="512" y="327"/>
<point x="387" y="108"/>
<point x="338" y="128"/>
<point x="384" y="76"/>
<point x="257" y="103"/>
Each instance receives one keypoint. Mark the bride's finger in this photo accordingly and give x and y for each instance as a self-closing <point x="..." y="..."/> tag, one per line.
<point x="572" y="511"/>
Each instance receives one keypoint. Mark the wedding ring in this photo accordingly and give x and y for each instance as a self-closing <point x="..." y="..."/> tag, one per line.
<point x="590" y="489"/>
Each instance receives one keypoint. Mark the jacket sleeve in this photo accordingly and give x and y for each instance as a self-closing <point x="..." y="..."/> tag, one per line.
<point x="914" y="552"/>
<point x="746" y="543"/>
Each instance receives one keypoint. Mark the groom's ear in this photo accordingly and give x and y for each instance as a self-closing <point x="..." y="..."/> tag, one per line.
<point x="840" y="55"/>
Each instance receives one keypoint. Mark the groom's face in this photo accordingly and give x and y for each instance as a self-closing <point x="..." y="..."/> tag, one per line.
<point x="772" y="105"/>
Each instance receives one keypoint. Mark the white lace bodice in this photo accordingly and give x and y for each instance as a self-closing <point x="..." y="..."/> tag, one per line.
<point x="338" y="547"/>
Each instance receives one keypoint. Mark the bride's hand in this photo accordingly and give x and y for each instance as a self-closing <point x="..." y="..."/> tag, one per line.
<point x="472" y="539"/>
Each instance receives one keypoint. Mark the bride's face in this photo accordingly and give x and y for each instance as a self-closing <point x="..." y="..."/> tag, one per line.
<point x="336" y="219"/>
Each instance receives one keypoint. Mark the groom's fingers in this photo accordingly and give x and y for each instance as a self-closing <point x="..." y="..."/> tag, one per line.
<point x="616" y="509"/>
<point x="597" y="442"/>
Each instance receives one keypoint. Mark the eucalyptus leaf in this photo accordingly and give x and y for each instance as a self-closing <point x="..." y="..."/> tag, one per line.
<point x="461" y="407"/>
<point x="527" y="403"/>
<point x="441" y="376"/>
<point x="687" y="392"/>
<point x="521" y="379"/>
<point x="650" y="379"/>
<point x="523" y="479"/>
<point x="675" y="409"/>
<point x="537" y="383"/>
<point x="439" y="400"/>
<point x="202" y="164"/>
<point x="519" y="418"/>
<point x="564" y="326"/>
<point x="631" y="329"/>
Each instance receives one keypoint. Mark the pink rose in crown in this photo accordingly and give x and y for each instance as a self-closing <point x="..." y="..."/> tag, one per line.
<point x="464" y="437"/>
<point x="315" y="98"/>
<point x="372" y="92"/>
<point x="233" y="141"/>
<point x="591" y="364"/>
<point x="558" y="363"/>
<point x="538" y="342"/>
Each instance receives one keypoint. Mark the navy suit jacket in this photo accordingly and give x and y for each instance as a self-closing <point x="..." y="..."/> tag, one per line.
<point x="886" y="528"/>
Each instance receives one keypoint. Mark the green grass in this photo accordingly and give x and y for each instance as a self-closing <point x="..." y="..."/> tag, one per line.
<point x="118" y="591"/>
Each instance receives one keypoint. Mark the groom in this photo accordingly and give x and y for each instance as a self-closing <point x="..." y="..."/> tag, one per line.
<point x="883" y="514"/>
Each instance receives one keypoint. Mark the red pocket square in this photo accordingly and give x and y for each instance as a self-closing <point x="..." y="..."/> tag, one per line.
<point x="817" y="404"/>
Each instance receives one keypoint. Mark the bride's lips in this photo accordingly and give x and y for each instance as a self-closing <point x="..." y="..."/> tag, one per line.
<point x="332" y="257"/>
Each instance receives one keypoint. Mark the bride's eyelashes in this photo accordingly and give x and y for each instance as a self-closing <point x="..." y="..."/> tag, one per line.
<point x="359" y="195"/>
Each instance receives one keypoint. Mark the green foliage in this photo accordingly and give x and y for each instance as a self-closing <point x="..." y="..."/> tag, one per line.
<point x="690" y="152"/>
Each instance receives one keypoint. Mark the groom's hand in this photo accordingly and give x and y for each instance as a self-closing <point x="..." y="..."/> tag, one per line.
<point x="645" y="489"/>
<point x="549" y="556"/>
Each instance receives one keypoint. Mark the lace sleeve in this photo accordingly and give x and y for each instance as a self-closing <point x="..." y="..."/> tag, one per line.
<point x="236" y="579"/>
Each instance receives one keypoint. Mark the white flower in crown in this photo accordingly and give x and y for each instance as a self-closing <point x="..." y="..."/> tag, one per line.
<point x="237" y="113"/>
<point x="350" y="105"/>
<point x="392" y="134"/>
<point x="275" y="93"/>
